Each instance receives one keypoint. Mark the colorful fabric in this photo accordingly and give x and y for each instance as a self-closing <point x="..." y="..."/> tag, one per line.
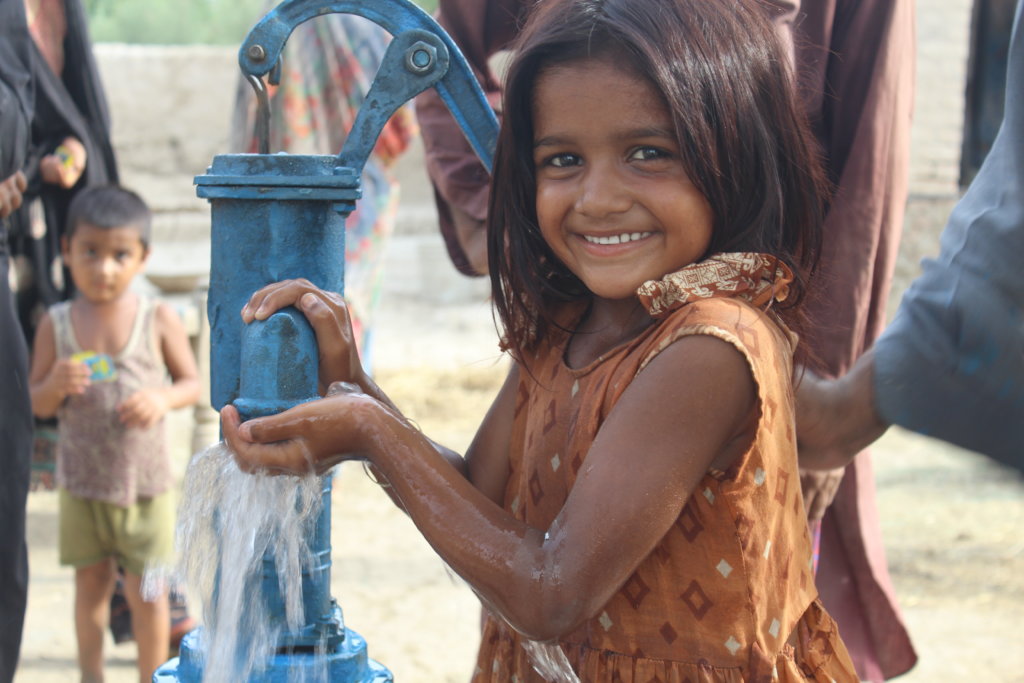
<point x="728" y="594"/>
<point x="758" y="279"/>
<point x="98" y="458"/>
<point x="327" y="68"/>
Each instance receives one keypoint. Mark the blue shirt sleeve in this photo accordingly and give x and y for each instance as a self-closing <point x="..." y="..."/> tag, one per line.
<point x="951" y="365"/>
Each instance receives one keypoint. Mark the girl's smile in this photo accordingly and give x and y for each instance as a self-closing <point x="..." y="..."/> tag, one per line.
<point x="614" y="201"/>
<point x="617" y="239"/>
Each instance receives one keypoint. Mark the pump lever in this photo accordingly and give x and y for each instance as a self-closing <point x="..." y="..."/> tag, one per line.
<point x="414" y="61"/>
<point x="405" y="69"/>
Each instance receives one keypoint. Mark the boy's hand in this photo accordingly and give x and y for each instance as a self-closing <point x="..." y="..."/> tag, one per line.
<point x="65" y="166"/>
<point x="143" y="408"/>
<point x="70" y="377"/>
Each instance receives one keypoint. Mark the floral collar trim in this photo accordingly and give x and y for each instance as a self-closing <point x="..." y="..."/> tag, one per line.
<point x="756" y="278"/>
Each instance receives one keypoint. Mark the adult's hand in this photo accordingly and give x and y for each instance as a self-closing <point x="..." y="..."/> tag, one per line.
<point x="11" y="191"/>
<point x="836" y="418"/>
<point x="819" y="489"/>
<point x="65" y="166"/>
<point x="472" y="236"/>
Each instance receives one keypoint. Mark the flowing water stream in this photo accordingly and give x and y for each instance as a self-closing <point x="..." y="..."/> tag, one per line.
<point x="227" y="522"/>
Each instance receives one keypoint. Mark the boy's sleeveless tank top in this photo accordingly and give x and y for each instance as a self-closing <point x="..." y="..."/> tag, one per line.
<point x="98" y="458"/>
<point x="728" y="593"/>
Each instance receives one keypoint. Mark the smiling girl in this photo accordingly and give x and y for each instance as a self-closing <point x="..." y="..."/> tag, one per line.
<point x="632" y="495"/>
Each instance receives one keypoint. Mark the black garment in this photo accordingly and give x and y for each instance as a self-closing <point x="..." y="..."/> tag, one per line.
<point x="15" y="410"/>
<point x="15" y="87"/>
<point x="73" y="104"/>
<point x="15" y="452"/>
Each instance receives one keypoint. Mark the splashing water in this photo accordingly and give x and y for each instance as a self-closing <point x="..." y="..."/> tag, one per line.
<point x="546" y="657"/>
<point x="228" y="521"/>
<point x="549" y="660"/>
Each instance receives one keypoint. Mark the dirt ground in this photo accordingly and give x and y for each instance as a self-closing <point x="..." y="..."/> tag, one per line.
<point x="952" y="524"/>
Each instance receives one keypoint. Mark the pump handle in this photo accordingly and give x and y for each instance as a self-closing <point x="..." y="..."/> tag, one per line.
<point x="405" y="68"/>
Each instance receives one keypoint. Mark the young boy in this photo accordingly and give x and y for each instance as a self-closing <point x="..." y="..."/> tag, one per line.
<point x="100" y="363"/>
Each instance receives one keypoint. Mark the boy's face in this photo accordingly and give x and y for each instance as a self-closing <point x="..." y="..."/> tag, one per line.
<point x="103" y="261"/>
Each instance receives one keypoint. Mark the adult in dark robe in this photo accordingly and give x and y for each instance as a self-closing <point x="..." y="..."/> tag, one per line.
<point x="16" y="100"/>
<point x="69" y="104"/>
<point x="854" y="62"/>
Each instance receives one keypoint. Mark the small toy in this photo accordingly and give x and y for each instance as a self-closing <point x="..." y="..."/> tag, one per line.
<point x="101" y="365"/>
<point x="67" y="159"/>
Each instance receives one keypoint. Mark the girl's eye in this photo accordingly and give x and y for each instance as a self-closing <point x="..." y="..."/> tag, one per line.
<point x="648" y="154"/>
<point x="563" y="160"/>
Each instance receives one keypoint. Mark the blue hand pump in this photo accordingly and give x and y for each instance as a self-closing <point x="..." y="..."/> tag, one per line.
<point x="281" y="216"/>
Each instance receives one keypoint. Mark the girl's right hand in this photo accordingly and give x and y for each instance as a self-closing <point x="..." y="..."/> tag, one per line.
<point x="327" y="314"/>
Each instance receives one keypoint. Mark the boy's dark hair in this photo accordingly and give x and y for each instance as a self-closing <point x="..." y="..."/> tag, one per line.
<point x="726" y="81"/>
<point x="108" y="207"/>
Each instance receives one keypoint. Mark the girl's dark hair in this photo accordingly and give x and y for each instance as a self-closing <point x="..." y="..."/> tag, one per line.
<point x="727" y="83"/>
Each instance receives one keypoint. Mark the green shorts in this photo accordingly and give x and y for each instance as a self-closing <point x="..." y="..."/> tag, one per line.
<point x="138" y="535"/>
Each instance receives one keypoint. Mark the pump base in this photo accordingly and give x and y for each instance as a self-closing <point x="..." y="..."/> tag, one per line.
<point x="348" y="663"/>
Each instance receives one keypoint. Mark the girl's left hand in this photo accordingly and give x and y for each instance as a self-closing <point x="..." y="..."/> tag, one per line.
<point x="311" y="437"/>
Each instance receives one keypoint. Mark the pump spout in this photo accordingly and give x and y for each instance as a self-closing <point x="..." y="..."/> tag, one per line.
<point x="279" y="365"/>
<point x="279" y="371"/>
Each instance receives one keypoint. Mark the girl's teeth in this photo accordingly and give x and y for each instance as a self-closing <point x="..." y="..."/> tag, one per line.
<point x="617" y="239"/>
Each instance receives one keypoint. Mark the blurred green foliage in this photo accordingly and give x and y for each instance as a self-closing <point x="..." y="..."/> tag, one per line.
<point x="177" y="22"/>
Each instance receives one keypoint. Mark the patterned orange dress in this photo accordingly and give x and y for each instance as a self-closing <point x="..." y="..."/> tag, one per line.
<point x="728" y="593"/>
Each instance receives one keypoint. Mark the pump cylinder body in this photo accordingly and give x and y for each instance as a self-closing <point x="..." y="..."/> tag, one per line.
<point x="273" y="218"/>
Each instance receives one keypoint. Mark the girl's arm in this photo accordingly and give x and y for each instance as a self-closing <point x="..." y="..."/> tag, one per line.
<point x="146" y="406"/>
<point x="694" y="406"/>
<point x="52" y="379"/>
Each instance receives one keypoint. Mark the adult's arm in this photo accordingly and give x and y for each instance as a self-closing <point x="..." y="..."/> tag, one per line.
<point x="951" y="365"/>
<point x="480" y="28"/>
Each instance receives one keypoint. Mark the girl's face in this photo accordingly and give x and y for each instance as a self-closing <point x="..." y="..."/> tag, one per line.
<point x="614" y="202"/>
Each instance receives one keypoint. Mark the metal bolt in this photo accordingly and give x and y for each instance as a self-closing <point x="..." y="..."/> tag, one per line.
<point x="257" y="53"/>
<point x="420" y="58"/>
